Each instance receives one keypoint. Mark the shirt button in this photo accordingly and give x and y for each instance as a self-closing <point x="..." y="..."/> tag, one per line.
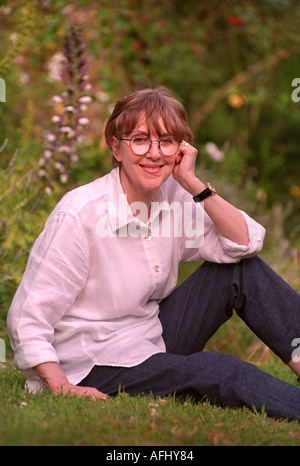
<point x="147" y="238"/>
<point x="157" y="268"/>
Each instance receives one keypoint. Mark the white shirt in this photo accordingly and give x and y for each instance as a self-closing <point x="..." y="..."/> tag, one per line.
<point x="95" y="276"/>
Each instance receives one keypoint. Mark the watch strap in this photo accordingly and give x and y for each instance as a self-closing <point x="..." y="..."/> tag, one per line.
<point x="208" y="191"/>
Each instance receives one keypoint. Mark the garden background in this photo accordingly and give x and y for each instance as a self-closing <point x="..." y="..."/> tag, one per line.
<point x="234" y="65"/>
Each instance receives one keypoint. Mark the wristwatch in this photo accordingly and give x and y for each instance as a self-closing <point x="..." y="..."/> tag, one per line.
<point x="210" y="190"/>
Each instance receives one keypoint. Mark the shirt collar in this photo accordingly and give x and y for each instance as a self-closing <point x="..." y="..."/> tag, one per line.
<point x="119" y="211"/>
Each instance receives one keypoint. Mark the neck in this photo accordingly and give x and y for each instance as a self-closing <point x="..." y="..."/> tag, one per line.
<point x="134" y="195"/>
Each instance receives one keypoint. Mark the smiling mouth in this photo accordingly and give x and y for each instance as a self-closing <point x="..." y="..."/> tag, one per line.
<point x="151" y="168"/>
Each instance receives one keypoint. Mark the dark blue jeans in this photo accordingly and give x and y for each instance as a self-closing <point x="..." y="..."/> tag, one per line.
<point x="191" y="314"/>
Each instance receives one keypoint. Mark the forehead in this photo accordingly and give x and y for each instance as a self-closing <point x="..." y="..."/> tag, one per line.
<point x="146" y="126"/>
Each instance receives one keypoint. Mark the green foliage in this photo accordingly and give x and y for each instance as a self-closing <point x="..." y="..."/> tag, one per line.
<point x="232" y="66"/>
<point x="20" y="224"/>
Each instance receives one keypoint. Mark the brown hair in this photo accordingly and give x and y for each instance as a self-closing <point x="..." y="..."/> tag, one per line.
<point x="154" y="104"/>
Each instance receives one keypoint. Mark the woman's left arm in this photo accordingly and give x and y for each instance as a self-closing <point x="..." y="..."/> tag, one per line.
<point x="228" y="220"/>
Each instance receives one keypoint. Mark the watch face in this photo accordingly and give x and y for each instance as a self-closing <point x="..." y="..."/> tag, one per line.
<point x="211" y="188"/>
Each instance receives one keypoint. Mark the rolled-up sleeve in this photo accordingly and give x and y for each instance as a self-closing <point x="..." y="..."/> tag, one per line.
<point x="217" y="248"/>
<point x="56" y="272"/>
<point x="256" y="234"/>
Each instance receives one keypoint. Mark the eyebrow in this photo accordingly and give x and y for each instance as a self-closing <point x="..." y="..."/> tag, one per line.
<point x="147" y="133"/>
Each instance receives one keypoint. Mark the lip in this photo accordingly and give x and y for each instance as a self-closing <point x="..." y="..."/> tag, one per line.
<point x="151" y="168"/>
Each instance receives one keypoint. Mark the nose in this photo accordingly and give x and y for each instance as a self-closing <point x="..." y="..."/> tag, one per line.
<point x="154" y="150"/>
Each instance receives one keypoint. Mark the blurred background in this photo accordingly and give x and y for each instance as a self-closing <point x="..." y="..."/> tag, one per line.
<point x="235" y="65"/>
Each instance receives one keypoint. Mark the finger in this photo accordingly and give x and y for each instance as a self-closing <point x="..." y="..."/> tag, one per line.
<point x="188" y="149"/>
<point x="185" y="148"/>
<point x="96" y="395"/>
<point x="178" y="158"/>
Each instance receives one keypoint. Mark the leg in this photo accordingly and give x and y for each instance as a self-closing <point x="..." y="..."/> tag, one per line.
<point x="266" y="303"/>
<point x="195" y="310"/>
<point x="191" y="314"/>
<point x="216" y="377"/>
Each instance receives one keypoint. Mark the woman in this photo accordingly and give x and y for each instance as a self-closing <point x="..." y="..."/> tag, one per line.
<point x="96" y="308"/>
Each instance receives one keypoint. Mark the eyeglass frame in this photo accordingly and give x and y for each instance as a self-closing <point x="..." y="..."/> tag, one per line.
<point x="150" y="143"/>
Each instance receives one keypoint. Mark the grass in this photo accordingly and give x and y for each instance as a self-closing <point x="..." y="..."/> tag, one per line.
<point x="46" y="420"/>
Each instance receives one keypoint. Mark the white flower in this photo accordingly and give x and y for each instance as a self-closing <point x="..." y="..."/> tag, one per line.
<point x="48" y="190"/>
<point x="56" y="119"/>
<point x="54" y="67"/>
<point x="214" y="153"/>
<point x="42" y="162"/>
<point x="48" y="154"/>
<point x="85" y="99"/>
<point x="74" y="158"/>
<point x="83" y="121"/>
<point x="70" y="108"/>
<point x="64" y="178"/>
<point x="42" y="172"/>
<point x="65" y="129"/>
<point x="64" y="149"/>
<point x="71" y="134"/>
<point x="58" y="99"/>
<point x="51" y="137"/>
<point x="59" y="166"/>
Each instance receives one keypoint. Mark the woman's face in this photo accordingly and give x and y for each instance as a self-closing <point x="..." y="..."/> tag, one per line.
<point x="142" y="175"/>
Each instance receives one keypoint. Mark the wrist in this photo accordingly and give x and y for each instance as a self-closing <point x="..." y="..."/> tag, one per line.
<point x="52" y="377"/>
<point x="194" y="186"/>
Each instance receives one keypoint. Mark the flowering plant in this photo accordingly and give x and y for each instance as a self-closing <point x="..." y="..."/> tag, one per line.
<point x="70" y="118"/>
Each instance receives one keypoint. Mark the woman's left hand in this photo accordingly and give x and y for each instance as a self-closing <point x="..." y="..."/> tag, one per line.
<point x="184" y="169"/>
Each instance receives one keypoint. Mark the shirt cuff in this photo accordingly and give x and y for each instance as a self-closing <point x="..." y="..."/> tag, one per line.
<point x="28" y="355"/>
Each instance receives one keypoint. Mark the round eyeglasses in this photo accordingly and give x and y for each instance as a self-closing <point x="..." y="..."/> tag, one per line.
<point x="140" y="144"/>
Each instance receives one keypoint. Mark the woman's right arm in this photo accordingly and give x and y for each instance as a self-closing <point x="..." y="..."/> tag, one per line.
<point x="57" y="383"/>
<point x="56" y="272"/>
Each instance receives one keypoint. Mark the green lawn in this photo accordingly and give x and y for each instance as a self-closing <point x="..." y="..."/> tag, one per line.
<point x="47" y="420"/>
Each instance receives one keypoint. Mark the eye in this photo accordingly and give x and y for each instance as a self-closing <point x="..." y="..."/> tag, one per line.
<point x="167" y="140"/>
<point x="140" y="139"/>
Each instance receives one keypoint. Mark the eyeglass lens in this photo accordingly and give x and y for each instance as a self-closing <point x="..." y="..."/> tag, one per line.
<point x="140" y="144"/>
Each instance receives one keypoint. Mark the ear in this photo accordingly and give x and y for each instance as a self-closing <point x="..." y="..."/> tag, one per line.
<point x="115" y="146"/>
